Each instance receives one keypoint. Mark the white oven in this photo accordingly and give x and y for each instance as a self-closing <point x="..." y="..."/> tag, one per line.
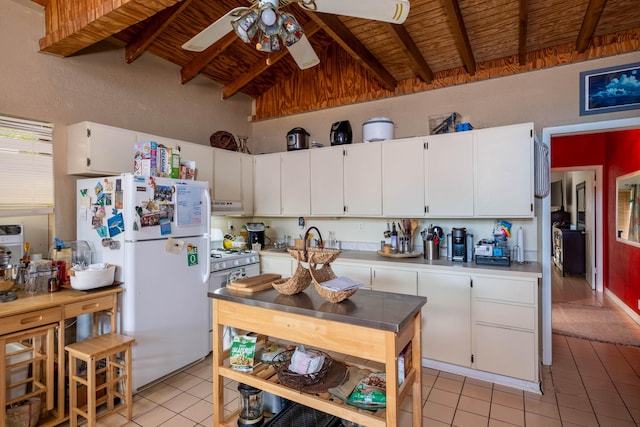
<point x="227" y="266"/>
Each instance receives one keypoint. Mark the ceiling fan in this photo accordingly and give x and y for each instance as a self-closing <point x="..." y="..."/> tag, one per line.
<point x="267" y="28"/>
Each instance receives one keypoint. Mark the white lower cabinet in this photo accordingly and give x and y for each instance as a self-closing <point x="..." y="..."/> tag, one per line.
<point x="446" y="318"/>
<point x="395" y="280"/>
<point x="359" y="273"/>
<point x="276" y="265"/>
<point x="505" y="326"/>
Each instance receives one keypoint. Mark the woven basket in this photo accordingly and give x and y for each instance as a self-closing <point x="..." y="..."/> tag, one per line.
<point x="320" y="255"/>
<point x="324" y="274"/>
<point x="292" y="379"/>
<point x="300" y="281"/>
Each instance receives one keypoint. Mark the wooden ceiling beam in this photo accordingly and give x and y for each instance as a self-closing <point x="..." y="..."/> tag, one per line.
<point x="260" y="67"/>
<point x="460" y="35"/>
<point x="201" y="60"/>
<point x="77" y="24"/>
<point x="417" y="61"/>
<point x="589" y="24"/>
<point x="522" y="30"/>
<point x="332" y="25"/>
<point x="152" y="30"/>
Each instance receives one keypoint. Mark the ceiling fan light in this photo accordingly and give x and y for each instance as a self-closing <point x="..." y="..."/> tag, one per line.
<point x="290" y="30"/>
<point x="245" y="26"/>
<point x="268" y="16"/>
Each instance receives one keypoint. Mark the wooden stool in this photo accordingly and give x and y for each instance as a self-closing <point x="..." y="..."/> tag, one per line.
<point x="103" y="347"/>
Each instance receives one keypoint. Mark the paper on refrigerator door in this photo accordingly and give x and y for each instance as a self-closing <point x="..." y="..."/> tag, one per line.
<point x="174" y="246"/>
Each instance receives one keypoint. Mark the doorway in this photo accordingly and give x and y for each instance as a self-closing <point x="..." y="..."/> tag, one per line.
<point x="547" y="134"/>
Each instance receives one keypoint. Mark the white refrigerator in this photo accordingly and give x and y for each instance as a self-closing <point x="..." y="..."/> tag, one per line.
<point x="156" y="232"/>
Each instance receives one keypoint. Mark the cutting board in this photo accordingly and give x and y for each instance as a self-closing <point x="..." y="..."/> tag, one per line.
<point x="250" y="282"/>
<point x="254" y="284"/>
<point x="252" y="289"/>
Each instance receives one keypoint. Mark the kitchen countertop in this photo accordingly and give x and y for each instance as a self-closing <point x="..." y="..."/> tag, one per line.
<point x="378" y="310"/>
<point x="528" y="269"/>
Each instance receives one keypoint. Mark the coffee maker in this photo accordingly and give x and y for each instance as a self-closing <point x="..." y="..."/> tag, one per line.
<point x="459" y="244"/>
<point x="255" y="233"/>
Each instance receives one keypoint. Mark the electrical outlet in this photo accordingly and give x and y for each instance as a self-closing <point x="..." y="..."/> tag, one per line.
<point x="229" y="225"/>
<point x="361" y="226"/>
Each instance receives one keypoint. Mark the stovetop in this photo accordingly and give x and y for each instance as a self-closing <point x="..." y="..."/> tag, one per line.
<point x="223" y="259"/>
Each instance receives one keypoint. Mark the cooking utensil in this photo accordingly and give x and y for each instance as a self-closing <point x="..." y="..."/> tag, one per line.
<point x="297" y="139"/>
<point x="378" y="129"/>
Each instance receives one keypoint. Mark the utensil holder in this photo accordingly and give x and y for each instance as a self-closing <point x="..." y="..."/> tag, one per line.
<point x="431" y="250"/>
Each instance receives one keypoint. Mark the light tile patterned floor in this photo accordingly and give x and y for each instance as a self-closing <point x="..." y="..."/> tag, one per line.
<point x="589" y="384"/>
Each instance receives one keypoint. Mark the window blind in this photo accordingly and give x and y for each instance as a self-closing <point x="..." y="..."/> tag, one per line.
<point x="26" y="166"/>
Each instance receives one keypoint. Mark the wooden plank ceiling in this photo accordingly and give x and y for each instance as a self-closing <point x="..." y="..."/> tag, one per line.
<point x="442" y="42"/>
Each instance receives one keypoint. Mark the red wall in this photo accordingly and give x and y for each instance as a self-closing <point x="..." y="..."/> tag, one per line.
<point x="619" y="154"/>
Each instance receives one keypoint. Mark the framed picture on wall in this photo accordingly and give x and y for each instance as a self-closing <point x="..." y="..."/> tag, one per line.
<point x="610" y="89"/>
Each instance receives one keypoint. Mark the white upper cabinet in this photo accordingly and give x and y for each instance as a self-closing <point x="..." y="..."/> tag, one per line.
<point x="95" y="149"/>
<point x="327" y="181"/>
<point x="247" y="183"/>
<point x="504" y="171"/>
<point x="449" y="169"/>
<point x="363" y="179"/>
<point x="403" y="180"/>
<point x="266" y="184"/>
<point x="295" y="183"/>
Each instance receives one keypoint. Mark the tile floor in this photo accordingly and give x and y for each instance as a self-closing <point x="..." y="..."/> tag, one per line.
<point x="588" y="384"/>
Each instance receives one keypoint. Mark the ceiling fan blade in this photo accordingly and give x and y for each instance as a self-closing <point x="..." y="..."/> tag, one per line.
<point x="213" y="32"/>
<point x="393" y="11"/>
<point x="303" y="53"/>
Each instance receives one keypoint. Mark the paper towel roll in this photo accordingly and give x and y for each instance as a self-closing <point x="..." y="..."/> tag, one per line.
<point x="520" y="243"/>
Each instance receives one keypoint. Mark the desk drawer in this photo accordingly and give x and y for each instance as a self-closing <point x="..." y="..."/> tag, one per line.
<point x="88" y="306"/>
<point x="32" y="319"/>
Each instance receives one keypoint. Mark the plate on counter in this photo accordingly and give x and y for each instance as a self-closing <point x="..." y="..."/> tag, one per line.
<point x="405" y="255"/>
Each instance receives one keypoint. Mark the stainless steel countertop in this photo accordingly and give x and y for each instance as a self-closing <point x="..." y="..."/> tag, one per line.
<point x="377" y="310"/>
<point x="528" y="269"/>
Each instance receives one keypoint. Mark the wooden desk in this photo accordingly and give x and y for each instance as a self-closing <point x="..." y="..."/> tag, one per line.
<point x="374" y="326"/>
<point x="35" y="319"/>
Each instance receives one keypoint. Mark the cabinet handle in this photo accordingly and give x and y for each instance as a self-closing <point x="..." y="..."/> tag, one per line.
<point x="27" y="320"/>
<point x="90" y="306"/>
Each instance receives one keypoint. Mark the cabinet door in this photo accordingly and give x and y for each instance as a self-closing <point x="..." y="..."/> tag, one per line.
<point x="446" y="318"/>
<point x="227" y="175"/>
<point x="327" y="181"/>
<point x="95" y="149"/>
<point x="266" y="187"/>
<point x="359" y="273"/>
<point x="276" y="265"/>
<point x="363" y="179"/>
<point x="449" y="184"/>
<point x="504" y="171"/>
<point x="247" y="184"/>
<point x="295" y="185"/>
<point x="403" y="177"/>
<point x="505" y="351"/>
<point x="394" y="280"/>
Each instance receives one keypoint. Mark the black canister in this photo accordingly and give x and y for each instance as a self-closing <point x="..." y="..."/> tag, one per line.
<point x="341" y="133"/>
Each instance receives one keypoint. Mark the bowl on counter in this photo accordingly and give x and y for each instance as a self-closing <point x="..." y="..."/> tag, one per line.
<point x="92" y="277"/>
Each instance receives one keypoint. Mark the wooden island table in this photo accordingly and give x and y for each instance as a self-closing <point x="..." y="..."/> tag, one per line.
<point x="36" y="324"/>
<point x="375" y="326"/>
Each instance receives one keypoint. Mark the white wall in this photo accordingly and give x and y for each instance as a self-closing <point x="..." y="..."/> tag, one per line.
<point x="99" y="86"/>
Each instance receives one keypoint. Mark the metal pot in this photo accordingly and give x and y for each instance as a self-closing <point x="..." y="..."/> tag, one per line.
<point x="378" y="129"/>
<point x="297" y="139"/>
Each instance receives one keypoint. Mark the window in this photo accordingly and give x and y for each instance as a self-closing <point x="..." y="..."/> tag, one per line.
<point x="26" y="167"/>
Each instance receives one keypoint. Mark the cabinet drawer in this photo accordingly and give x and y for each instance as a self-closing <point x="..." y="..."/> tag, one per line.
<point x="506" y="352"/>
<point x="505" y="289"/>
<point x="514" y="316"/>
<point x="29" y="320"/>
<point x="89" y="306"/>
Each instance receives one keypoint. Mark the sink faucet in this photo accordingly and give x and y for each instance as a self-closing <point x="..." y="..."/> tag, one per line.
<point x="320" y="243"/>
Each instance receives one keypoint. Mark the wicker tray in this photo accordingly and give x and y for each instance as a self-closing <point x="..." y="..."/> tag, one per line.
<point x="320" y="255"/>
<point x="291" y="379"/>
<point x="324" y="274"/>
<point x="300" y="281"/>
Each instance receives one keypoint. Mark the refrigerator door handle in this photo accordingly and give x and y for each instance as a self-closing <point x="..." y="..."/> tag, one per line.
<point x="207" y="199"/>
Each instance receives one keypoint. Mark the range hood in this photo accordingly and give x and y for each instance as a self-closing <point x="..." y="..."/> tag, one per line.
<point x="226" y="206"/>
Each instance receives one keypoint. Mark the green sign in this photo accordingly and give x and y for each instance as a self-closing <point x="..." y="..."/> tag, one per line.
<point x="192" y="255"/>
